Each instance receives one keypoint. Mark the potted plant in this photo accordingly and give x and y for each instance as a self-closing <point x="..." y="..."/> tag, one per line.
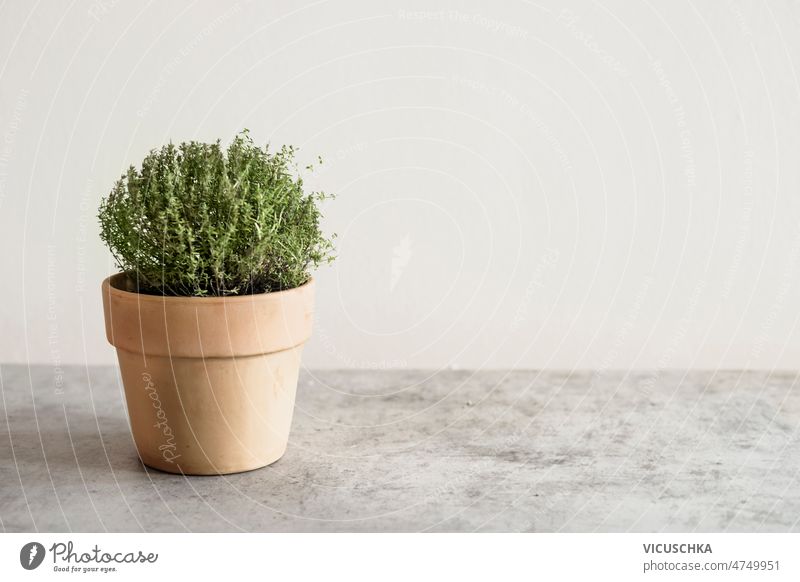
<point x="214" y="302"/>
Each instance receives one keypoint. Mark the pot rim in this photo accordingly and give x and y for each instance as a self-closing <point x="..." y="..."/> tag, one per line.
<point x="110" y="283"/>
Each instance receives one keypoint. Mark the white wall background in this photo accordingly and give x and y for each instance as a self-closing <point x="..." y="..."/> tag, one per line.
<point x="529" y="184"/>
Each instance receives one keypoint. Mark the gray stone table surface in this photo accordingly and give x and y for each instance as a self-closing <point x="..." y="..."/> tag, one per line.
<point x="426" y="451"/>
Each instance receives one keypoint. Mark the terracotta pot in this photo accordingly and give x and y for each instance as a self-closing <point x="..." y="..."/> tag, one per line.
<point x="209" y="382"/>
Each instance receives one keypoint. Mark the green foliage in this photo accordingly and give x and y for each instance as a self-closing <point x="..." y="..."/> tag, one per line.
<point x="199" y="220"/>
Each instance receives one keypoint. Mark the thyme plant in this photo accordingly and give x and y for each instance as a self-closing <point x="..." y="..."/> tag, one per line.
<point x="198" y="220"/>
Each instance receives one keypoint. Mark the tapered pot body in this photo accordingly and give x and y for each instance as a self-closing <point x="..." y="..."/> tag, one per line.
<point x="209" y="382"/>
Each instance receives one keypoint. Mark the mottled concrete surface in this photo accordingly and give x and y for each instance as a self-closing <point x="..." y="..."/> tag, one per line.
<point x="413" y="450"/>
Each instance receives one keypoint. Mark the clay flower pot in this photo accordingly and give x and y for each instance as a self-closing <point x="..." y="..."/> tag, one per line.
<point x="209" y="382"/>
